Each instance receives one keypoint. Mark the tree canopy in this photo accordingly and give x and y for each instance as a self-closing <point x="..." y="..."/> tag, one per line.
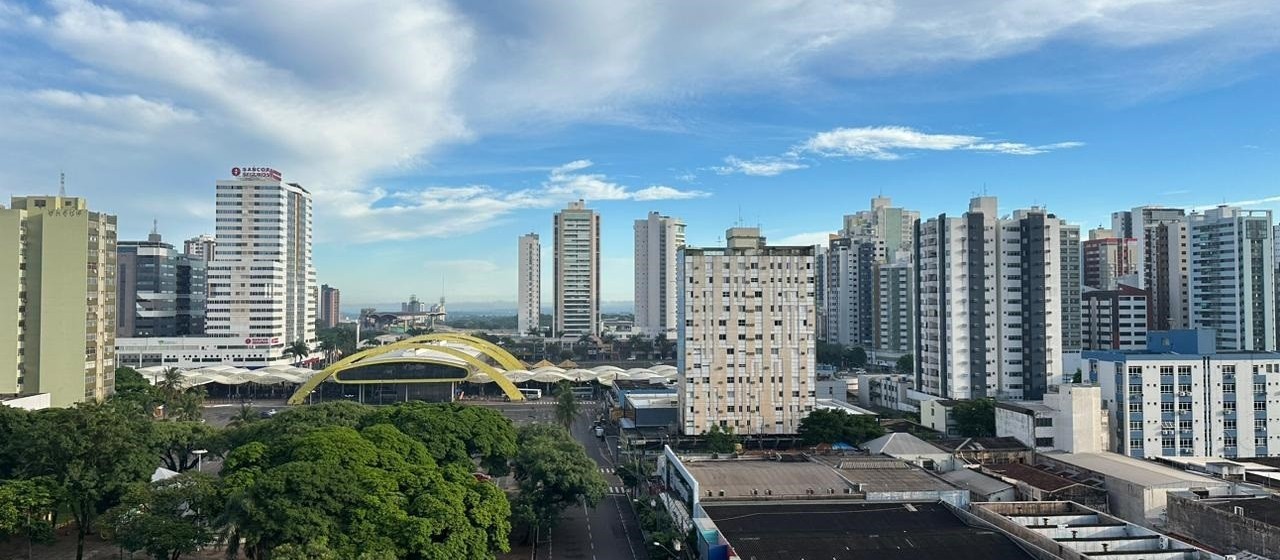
<point x="905" y="364"/>
<point x="834" y="426"/>
<point x="721" y="440"/>
<point x="166" y="519"/>
<point x="975" y="418"/>
<point x="553" y="472"/>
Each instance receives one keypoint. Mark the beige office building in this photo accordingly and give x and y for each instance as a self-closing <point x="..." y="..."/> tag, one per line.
<point x="577" y="271"/>
<point x="57" y="299"/>
<point x="747" y="320"/>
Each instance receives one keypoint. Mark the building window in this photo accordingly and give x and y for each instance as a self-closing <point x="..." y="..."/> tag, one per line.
<point x="1135" y="443"/>
<point x="1259" y="424"/>
<point x="1228" y="387"/>
<point x="1136" y="408"/>
<point x="1184" y="425"/>
<point x="1229" y="424"/>
<point x="1044" y="442"/>
<point x="1166" y="407"/>
<point x="1184" y="387"/>
<point x="1166" y="443"/>
<point x="1229" y="406"/>
<point x="1259" y="405"/>
<point x="1135" y="426"/>
<point x="1166" y="388"/>
<point x="1229" y="441"/>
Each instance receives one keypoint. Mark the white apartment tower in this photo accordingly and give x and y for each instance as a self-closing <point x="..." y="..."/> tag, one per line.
<point x="529" y="284"/>
<point x="203" y="246"/>
<point x="989" y="303"/>
<point x="262" y="284"/>
<point x="746" y="333"/>
<point x="868" y="239"/>
<point x="577" y="271"/>
<point x="1232" y="288"/>
<point x="658" y="242"/>
<point x="1161" y="261"/>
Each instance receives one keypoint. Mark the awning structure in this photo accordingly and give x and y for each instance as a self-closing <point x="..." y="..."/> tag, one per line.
<point x="231" y="375"/>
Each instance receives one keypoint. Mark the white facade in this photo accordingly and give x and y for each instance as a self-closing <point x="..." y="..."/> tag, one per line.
<point x="658" y="241"/>
<point x="1161" y="263"/>
<point x="577" y="271"/>
<point x="202" y="246"/>
<point x="747" y="344"/>
<point x="891" y="391"/>
<point x="1218" y="405"/>
<point x="1069" y="419"/>
<point x="989" y="303"/>
<point x="262" y="285"/>
<point x="529" y="284"/>
<point x="883" y="234"/>
<point x="198" y="351"/>
<point x="1232" y="277"/>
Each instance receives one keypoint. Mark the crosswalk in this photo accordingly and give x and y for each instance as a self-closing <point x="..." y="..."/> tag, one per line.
<point x="552" y="402"/>
<point x="606" y="470"/>
<point x="617" y="490"/>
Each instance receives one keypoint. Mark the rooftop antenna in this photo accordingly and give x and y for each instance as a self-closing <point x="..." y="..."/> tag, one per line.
<point x="62" y="184"/>
<point x="155" y="226"/>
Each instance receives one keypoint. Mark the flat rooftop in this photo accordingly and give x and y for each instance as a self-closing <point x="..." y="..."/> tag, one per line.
<point x="886" y="474"/>
<point x="739" y="478"/>
<point x="844" y="531"/>
<point x="1136" y="471"/>
<point x="1265" y="509"/>
<point x="1035" y="477"/>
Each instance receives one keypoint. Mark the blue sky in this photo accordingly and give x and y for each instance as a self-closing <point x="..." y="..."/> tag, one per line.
<point x="434" y="133"/>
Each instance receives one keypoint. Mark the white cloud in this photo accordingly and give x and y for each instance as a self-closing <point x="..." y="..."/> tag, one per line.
<point x="761" y="167"/>
<point x="376" y="215"/>
<point x="890" y="142"/>
<point x="126" y="109"/>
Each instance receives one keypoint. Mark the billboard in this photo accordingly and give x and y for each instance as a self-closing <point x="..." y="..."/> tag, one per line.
<point x="255" y="173"/>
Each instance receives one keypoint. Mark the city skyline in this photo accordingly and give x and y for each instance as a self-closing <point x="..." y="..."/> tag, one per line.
<point x="790" y="130"/>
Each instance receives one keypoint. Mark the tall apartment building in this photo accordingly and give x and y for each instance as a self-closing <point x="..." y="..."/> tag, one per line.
<point x="1180" y="398"/>
<point x="746" y="347"/>
<point x="1122" y="224"/>
<point x="881" y="235"/>
<point x="1109" y="259"/>
<point x="1232" y="257"/>
<point x="989" y="303"/>
<point x="529" y="284"/>
<point x="820" y="289"/>
<point x="1161" y="235"/>
<point x="57" y="299"/>
<point x="330" y="306"/>
<point x="577" y="271"/>
<point x="658" y="242"/>
<point x="262" y="285"/>
<point x="851" y="289"/>
<point x="159" y="291"/>
<point x="1072" y="282"/>
<point x="203" y="246"/>
<point x="894" y="312"/>
<point x="1114" y="319"/>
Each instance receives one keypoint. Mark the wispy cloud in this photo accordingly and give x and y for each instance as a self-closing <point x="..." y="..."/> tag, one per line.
<point x="1267" y="201"/>
<point x="806" y="238"/>
<point x="760" y="167"/>
<point x="893" y="142"/>
<point x="454" y="211"/>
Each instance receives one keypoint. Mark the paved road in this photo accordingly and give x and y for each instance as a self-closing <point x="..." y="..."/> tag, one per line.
<point x="607" y="532"/>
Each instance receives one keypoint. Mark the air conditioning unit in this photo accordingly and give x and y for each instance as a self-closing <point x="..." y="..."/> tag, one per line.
<point x="1184" y="394"/>
<point x="1166" y="432"/>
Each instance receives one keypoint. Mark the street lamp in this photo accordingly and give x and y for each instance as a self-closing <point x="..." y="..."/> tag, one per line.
<point x="674" y="544"/>
<point x="199" y="453"/>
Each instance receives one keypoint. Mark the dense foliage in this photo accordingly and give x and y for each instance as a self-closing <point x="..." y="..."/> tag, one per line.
<point x="975" y="418"/>
<point x="553" y="472"/>
<point x="841" y="356"/>
<point x="834" y="426"/>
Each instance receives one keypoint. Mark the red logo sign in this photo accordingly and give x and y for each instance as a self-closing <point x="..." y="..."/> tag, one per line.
<point x="235" y="171"/>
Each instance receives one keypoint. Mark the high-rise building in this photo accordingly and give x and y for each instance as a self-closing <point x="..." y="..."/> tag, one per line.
<point x="989" y="303"/>
<point x="1122" y="224"/>
<point x="577" y="271"/>
<point x="746" y="347"/>
<point x="1161" y="235"/>
<point x="1071" y="274"/>
<point x="1114" y="319"/>
<point x="851" y="287"/>
<point x="658" y="242"/>
<point x="330" y="306"/>
<point x="883" y="234"/>
<point x="894" y="301"/>
<point x="1232" y="255"/>
<point x="1109" y="259"/>
<point x="57" y="299"/>
<point x="262" y="285"/>
<point x="159" y="292"/>
<point x="820" y="288"/>
<point x="203" y="246"/>
<point x="529" y="284"/>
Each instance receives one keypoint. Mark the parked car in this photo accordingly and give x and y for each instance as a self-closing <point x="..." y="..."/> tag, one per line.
<point x="600" y="431"/>
<point x="268" y="413"/>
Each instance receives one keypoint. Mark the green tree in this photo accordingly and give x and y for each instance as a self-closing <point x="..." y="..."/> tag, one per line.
<point x="177" y="442"/>
<point x="905" y="364"/>
<point x="243" y="416"/>
<point x="975" y="418"/>
<point x="298" y="350"/>
<point x="553" y="472"/>
<point x="721" y="440"/>
<point x="454" y="434"/>
<point x="834" y="426"/>
<point x="166" y="519"/>
<point x="26" y="510"/>
<point x="91" y="453"/>
<point x="567" y="406"/>
<point x="856" y="357"/>
<point x="1078" y="377"/>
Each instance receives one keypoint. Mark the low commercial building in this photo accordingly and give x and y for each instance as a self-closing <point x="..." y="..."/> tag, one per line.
<point x="982" y="488"/>
<point x="1232" y="524"/>
<point x="1070" y="418"/>
<point x="1038" y="484"/>
<point x="911" y="449"/>
<point x="936" y="414"/>
<point x="1136" y="489"/>
<point x="986" y="450"/>
<point x="1072" y="531"/>
<point x="197" y="351"/>
<point x="891" y="391"/>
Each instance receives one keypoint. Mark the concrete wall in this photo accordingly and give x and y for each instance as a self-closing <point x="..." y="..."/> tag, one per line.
<point x="10" y="286"/>
<point x="1221" y="529"/>
<point x="936" y="416"/>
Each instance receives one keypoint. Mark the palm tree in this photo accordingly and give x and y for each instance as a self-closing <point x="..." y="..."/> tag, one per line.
<point x="243" y="416"/>
<point x="567" y="407"/>
<point x="170" y="386"/>
<point x="298" y="349"/>
<point x="330" y="349"/>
